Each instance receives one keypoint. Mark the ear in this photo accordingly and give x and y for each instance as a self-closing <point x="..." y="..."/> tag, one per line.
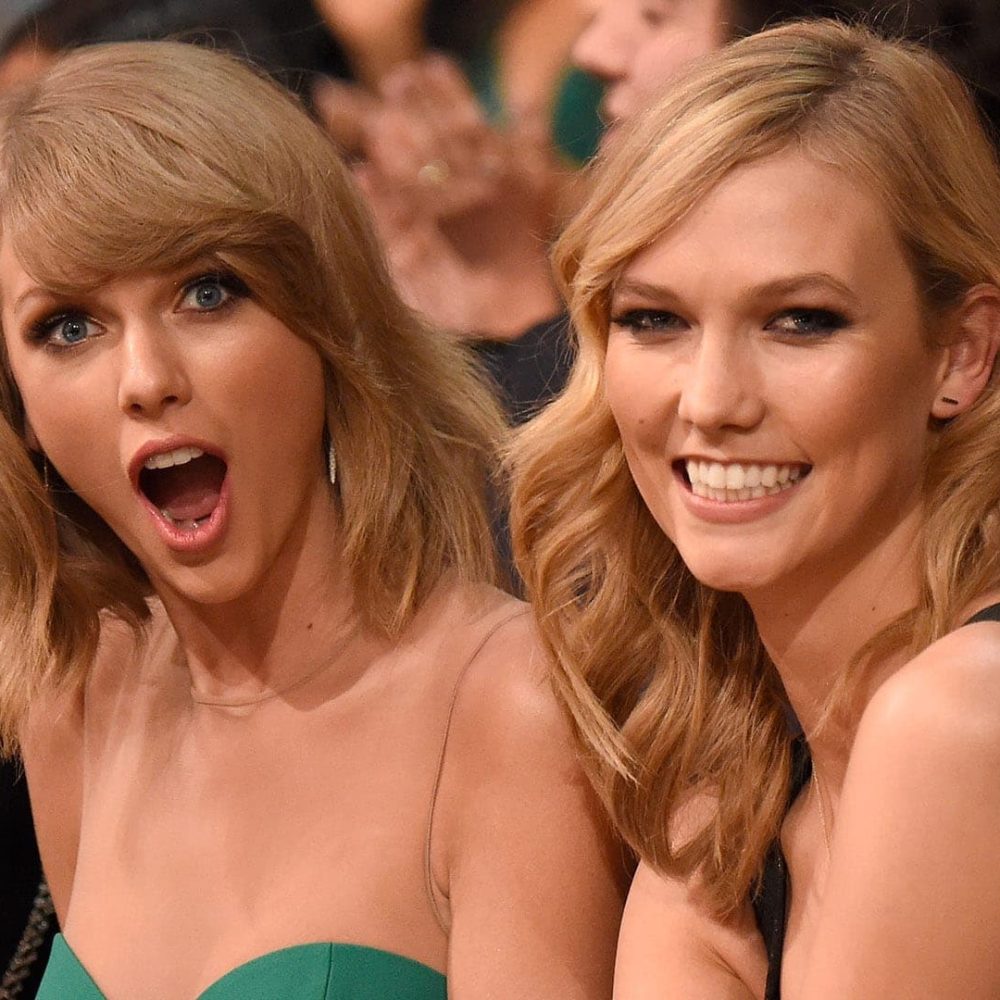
<point x="970" y="351"/>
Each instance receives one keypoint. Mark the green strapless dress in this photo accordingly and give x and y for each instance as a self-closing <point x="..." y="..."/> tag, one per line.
<point x="303" y="972"/>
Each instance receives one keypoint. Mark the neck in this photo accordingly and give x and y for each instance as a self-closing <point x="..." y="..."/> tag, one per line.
<point x="814" y="626"/>
<point x="293" y="621"/>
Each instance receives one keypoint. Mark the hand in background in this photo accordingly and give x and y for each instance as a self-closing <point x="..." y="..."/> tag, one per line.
<point x="343" y="109"/>
<point x="465" y="210"/>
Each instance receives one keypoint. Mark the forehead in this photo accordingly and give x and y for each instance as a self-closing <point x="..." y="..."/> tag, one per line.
<point x="775" y="218"/>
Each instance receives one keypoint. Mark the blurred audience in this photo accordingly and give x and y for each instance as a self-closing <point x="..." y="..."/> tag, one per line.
<point x="287" y="41"/>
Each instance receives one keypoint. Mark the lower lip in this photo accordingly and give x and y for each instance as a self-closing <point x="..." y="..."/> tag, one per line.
<point x="735" y="511"/>
<point x="199" y="540"/>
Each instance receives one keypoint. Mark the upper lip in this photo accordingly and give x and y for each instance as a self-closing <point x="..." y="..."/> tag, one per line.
<point x="730" y="460"/>
<point x="162" y="445"/>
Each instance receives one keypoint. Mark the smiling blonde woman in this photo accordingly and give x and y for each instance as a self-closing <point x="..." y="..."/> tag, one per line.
<point x="771" y="486"/>
<point x="324" y="761"/>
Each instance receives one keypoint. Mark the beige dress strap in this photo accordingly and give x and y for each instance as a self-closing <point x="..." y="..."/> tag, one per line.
<point x="428" y="874"/>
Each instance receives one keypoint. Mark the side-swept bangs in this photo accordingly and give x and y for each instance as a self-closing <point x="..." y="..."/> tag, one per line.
<point x="152" y="156"/>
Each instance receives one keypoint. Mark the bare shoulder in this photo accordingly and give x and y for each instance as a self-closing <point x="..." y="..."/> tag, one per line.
<point x="947" y="698"/>
<point x="672" y="945"/>
<point x="530" y="875"/>
<point x="53" y="747"/>
<point x="506" y="701"/>
<point x="916" y="826"/>
<point x="490" y="641"/>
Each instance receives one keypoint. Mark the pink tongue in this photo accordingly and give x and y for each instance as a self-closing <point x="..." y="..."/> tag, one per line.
<point x="186" y="492"/>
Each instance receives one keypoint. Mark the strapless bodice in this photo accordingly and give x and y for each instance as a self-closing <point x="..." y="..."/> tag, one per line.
<point x="323" y="971"/>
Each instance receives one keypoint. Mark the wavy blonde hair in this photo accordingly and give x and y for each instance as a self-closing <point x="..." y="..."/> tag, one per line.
<point x="671" y="689"/>
<point x="142" y="157"/>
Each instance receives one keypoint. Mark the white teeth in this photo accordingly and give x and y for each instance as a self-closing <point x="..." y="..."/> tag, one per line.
<point x="735" y="481"/>
<point x="167" y="459"/>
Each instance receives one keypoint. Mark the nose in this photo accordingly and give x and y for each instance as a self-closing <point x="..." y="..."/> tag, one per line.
<point x="603" y="47"/>
<point x="152" y="376"/>
<point x="720" y="385"/>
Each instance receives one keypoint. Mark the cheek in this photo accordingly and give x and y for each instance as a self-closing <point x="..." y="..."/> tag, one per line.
<point x="283" y="395"/>
<point x="871" y="419"/>
<point x="639" y="396"/>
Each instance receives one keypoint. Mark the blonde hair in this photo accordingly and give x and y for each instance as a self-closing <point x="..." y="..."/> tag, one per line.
<point x="671" y="690"/>
<point x="144" y="156"/>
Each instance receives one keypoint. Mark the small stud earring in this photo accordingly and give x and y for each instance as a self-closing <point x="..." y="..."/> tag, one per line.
<point x="948" y="399"/>
<point x="331" y="464"/>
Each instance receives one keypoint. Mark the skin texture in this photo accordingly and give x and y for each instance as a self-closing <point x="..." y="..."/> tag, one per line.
<point x="302" y="817"/>
<point x="709" y="358"/>
<point x="636" y="46"/>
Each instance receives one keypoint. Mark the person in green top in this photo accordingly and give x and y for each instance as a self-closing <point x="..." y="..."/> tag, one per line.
<point x="282" y="737"/>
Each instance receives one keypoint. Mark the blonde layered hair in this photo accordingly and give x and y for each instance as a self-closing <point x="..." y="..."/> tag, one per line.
<point x="668" y="682"/>
<point x="143" y="157"/>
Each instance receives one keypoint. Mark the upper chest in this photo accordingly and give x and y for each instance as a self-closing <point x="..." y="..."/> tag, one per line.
<point x="240" y="833"/>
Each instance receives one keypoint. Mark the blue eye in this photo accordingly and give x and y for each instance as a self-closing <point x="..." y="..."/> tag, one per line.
<point x="63" y="330"/>
<point x="206" y="294"/>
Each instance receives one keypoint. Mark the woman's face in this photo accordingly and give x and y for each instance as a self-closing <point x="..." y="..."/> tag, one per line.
<point x="771" y="380"/>
<point x="189" y="418"/>
<point x="637" y="46"/>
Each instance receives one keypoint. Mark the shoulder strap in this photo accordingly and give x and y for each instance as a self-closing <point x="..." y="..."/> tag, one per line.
<point x="771" y="892"/>
<point x="990" y="614"/>
<point x="439" y="771"/>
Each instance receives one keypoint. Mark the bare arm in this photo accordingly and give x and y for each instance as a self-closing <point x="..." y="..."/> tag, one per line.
<point x="670" y="948"/>
<point x="533" y="878"/>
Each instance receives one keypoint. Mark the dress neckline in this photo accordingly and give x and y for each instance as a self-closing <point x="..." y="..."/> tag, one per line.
<point x="270" y="957"/>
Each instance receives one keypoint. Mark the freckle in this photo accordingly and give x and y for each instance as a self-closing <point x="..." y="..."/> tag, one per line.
<point x="309" y="626"/>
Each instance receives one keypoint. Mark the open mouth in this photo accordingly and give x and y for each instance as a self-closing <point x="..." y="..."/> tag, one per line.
<point x="731" y="482"/>
<point x="184" y="485"/>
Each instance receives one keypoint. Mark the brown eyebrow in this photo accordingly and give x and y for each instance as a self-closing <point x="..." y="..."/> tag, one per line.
<point x="780" y="286"/>
<point x="32" y="293"/>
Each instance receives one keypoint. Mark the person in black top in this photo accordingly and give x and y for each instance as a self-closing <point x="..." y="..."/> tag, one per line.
<point x="770" y="487"/>
<point x="27" y="918"/>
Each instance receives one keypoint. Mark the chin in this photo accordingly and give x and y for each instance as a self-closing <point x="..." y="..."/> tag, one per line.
<point x="208" y="585"/>
<point x="734" y="574"/>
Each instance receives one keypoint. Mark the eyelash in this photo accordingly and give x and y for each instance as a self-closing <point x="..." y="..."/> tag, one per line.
<point x="646" y="321"/>
<point x="43" y="330"/>
<point x="812" y="323"/>
<point x="234" y="287"/>
<point x="807" y="323"/>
